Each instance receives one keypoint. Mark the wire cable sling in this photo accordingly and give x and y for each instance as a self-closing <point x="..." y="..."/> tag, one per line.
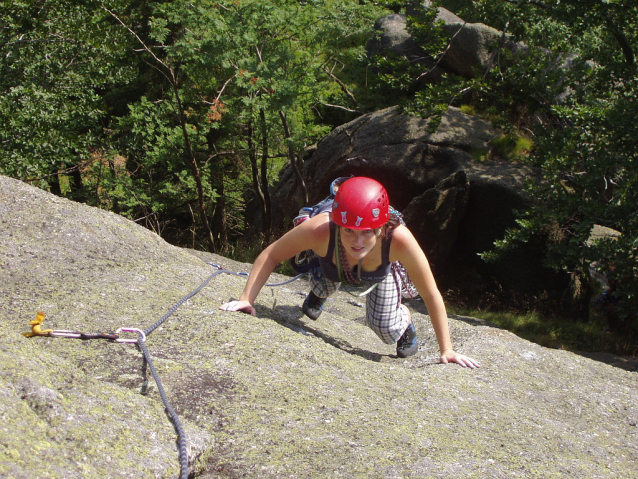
<point x="267" y="284"/>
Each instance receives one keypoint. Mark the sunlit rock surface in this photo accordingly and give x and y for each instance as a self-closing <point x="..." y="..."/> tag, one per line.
<point x="276" y="396"/>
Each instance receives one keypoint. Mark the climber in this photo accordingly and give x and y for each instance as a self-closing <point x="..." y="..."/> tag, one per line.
<point x="356" y="243"/>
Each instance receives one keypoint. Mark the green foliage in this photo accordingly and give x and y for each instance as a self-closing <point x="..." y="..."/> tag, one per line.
<point x="590" y="178"/>
<point x="581" y="119"/>
<point x="591" y="336"/>
<point x="567" y="103"/>
<point x="235" y="68"/>
<point x="511" y="146"/>
<point x="467" y="109"/>
<point x="171" y="112"/>
<point x="57" y="58"/>
<point x="399" y="78"/>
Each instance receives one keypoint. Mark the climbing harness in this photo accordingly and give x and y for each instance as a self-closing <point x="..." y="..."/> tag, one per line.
<point x="140" y="340"/>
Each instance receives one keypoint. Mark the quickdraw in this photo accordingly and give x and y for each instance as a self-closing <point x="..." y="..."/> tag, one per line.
<point x="36" y="330"/>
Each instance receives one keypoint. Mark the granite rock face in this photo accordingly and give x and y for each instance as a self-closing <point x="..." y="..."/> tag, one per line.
<point x="272" y="396"/>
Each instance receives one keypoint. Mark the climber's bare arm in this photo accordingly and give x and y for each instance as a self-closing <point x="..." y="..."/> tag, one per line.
<point x="312" y="234"/>
<point x="406" y="249"/>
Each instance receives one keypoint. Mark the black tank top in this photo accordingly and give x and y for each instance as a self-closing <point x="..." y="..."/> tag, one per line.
<point x="329" y="269"/>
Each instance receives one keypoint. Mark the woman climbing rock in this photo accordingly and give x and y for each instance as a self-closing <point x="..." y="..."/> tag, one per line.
<point x="356" y="243"/>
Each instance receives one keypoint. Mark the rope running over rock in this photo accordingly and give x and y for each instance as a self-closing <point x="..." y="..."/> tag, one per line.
<point x="181" y="434"/>
<point x="141" y="342"/>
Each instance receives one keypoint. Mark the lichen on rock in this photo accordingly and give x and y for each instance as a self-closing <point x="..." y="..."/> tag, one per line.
<point x="275" y="395"/>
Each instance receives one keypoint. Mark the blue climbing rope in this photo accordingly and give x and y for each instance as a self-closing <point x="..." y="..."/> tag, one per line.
<point x="181" y="434"/>
<point x="159" y="322"/>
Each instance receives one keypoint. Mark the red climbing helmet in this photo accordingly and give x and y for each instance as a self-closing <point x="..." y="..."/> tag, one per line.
<point x="360" y="204"/>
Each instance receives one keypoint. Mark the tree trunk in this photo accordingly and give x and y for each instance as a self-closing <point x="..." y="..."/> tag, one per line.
<point x="220" y="224"/>
<point x="192" y="162"/>
<point x="579" y="292"/>
<point x="252" y="154"/>
<point x="293" y="160"/>
<point x="264" y="176"/>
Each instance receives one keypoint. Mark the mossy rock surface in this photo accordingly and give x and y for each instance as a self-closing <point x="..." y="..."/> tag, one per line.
<point x="276" y="395"/>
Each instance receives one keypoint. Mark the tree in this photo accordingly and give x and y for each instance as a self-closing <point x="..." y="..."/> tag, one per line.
<point x="585" y="141"/>
<point x="57" y="59"/>
<point x="242" y="79"/>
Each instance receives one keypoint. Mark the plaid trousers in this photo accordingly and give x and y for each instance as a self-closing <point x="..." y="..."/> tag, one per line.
<point x="383" y="312"/>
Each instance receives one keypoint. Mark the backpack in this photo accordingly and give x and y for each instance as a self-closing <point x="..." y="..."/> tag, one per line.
<point x="305" y="261"/>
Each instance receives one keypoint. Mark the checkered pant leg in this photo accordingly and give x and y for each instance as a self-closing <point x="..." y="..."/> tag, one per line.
<point x="383" y="312"/>
<point x="321" y="286"/>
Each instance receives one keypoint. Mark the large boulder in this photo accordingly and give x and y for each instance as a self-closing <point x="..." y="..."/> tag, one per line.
<point x="472" y="45"/>
<point x="393" y="37"/>
<point x="470" y="51"/>
<point x="272" y="396"/>
<point x="472" y="48"/>
<point x="456" y="205"/>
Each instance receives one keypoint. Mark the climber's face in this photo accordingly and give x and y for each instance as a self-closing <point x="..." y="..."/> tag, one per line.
<point x="358" y="243"/>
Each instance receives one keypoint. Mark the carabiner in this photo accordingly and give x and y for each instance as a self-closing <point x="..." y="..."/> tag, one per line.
<point x="130" y="340"/>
